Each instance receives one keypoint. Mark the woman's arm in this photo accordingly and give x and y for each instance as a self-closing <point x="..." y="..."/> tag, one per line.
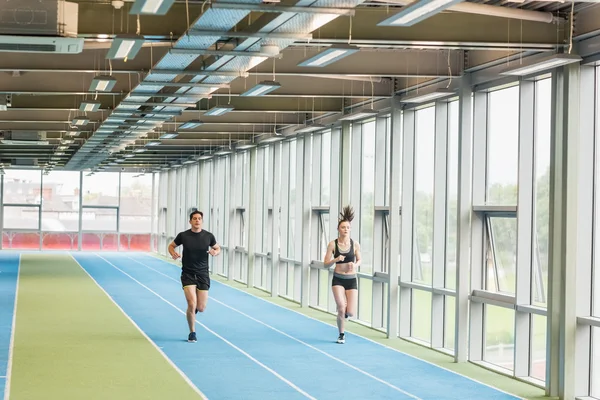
<point x="357" y="258"/>
<point x="329" y="260"/>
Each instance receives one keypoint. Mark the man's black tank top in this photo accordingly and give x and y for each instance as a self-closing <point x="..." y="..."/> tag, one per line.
<point x="349" y="254"/>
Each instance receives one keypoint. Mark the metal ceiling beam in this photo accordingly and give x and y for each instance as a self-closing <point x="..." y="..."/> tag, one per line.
<point x="221" y="53"/>
<point x="238" y="34"/>
<point x="276" y="8"/>
<point x="332" y="75"/>
<point x="57" y="93"/>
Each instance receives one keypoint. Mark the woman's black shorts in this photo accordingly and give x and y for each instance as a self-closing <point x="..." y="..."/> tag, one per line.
<point x="348" y="283"/>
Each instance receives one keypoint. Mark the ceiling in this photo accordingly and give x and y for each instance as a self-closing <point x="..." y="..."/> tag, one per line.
<point x="177" y="77"/>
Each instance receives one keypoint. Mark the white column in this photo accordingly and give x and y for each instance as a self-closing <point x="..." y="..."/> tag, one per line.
<point x="276" y="157"/>
<point x="304" y="222"/>
<point x="524" y="224"/>
<point x="439" y="223"/>
<point x="251" y="213"/>
<point x="464" y="212"/>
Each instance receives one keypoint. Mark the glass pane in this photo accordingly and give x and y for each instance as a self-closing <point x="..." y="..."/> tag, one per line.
<point x="538" y="347"/>
<point x="449" y="318"/>
<point x="102" y="188"/>
<point x="324" y="233"/>
<point x="325" y="168"/>
<point x="423" y="197"/>
<point x="60" y="205"/>
<point x="421" y="315"/>
<point x="367" y="196"/>
<point x="502" y="255"/>
<point x="99" y="219"/>
<point x="22" y="186"/>
<point x="324" y="285"/>
<point x="136" y="203"/>
<point x="292" y="201"/>
<point x="596" y="264"/>
<point x="452" y="199"/>
<point x="388" y="159"/>
<point x="503" y="146"/>
<point x="595" y="376"/>
<point x="541" y="237"/>
<point x="365" y="300"/>
<point x="499" y="336"/>
<point x="16" y="217"/>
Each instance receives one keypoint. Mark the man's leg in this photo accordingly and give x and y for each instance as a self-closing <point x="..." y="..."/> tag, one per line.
<point x="191" y="298"/>
<point x="201" y="299"/>
<point x="203" y="285"/>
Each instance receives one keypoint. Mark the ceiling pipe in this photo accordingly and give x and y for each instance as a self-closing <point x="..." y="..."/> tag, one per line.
<point x="494" y="11"/>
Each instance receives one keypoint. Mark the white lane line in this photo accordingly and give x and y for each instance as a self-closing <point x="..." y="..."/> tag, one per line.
<point x="156" y="257"/>
<point x="183" y="375"/>
<point x="213" y="332"/>
<point x="296" y="339"/>
<point x="12" y="336"/>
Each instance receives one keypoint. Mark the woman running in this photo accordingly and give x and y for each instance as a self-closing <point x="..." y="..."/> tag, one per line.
<point x="345" y="254"/>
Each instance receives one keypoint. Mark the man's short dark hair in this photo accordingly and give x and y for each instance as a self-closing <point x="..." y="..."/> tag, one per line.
<point x="196" y="212"/>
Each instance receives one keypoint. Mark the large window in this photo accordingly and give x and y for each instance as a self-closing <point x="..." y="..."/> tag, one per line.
<point x="367" y="195"/>
<point x="501" y="187"/>
<point x="423" y="196"/>
<point x="452" y="196"/>
<point x="22" y="199"/>
<point x="60" y="202"/>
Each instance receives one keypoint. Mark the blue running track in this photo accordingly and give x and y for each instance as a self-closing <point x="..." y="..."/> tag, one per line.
<point x="9" y="273"/>
<point x="251" y="349"/>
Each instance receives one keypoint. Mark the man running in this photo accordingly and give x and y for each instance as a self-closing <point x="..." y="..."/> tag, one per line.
<point x="195" y="279"/>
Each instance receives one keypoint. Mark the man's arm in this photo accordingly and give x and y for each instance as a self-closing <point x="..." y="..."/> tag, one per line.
<point x="172" y="247"/>
<point x="215" y="250"/>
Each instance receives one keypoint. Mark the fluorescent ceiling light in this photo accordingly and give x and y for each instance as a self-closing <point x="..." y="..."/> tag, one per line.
<point x="270" y="139"/>
<point x="417" y="12"/>
<point x="153" y="143"/>
<point x="189" y="161"/>
<point x="328" y="56"/>
<point x="542" y="65"/>
<point x="102" y="83"/>
<point x="152" y="7"/>
<point x="363" y="113"/>
<point x="125" y="47"/>
<point x="425" y="97"/>
<point x="218" y="110"/>
<point x="89" y="106"/>
<point x="244" y="145"/>
<point x="223" y="152"/>
<point x="78" y="121"/>
<point x="262" y="88"/>
<point x="309" y="128"/>
<point x="129" y="155"/>
<point x="139" y="150"/>
<point x="191" y="124"/>
<point x="169" y="135"/>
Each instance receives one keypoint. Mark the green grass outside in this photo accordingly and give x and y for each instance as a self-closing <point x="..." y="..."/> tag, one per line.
<point x="72" y="342"/>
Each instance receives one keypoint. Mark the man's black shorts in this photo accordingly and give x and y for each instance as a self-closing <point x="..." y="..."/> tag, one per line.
<point x="201" y="281"/>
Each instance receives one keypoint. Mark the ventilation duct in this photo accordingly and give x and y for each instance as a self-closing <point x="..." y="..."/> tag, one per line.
<point x="232" y="65"/>
<point x="35" y="26"/>
<point x="24" y="138"/>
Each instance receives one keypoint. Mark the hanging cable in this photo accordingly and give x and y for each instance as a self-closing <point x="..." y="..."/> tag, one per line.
<point x="449" y="70"/>
<point x="572" y="26"/>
